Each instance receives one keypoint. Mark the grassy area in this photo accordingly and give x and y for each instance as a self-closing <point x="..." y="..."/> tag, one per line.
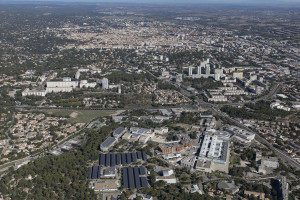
<point x="82" y="116"/>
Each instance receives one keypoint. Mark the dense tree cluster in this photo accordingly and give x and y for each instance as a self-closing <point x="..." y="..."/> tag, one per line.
<point x="260" y="111"/>
<point x="56" y="177"/>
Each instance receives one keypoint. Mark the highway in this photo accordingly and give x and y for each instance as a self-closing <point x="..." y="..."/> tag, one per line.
<point x="96" y="108"/>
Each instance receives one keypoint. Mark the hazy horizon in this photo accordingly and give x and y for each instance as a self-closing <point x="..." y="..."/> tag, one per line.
<point x="252" y="2"/>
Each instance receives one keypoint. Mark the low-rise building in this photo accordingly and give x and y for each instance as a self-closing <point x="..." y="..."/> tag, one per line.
<point x="168" y="179"/>
<point x="108" y="143"/>
<point x="119" y="132"/>
<point x="107" y="185"/>
<point x="188" y="162"/>
<point x="241" y="134"/>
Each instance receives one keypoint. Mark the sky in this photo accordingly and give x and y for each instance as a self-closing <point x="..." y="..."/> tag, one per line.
<point x="271" y="2"/>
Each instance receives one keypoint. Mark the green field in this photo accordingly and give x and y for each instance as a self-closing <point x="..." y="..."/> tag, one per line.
<point x="82" y="116"/>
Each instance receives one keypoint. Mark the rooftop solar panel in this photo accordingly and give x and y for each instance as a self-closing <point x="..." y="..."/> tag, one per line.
<point x="139" y="155"/>
<point x="123" y="159"/>
<point x="112" y="160"/>
<point x="125" y="177"/>
<point x="90" y="170"/>
<point x="131" y="178"/>
<point x="144" y="182"/>
<point x="102" y="160"/>
<point x="118" y="159"/>
<point x="107" y="160"/>
<point x="142" y="170"/>
<point x="133" y="157"/>
<point x="128" y="158"/>
<point x="136" y="177"/>
<point x="98" y="172"/>
<point x="95" y="172"/>
<point x="144" y="155"/>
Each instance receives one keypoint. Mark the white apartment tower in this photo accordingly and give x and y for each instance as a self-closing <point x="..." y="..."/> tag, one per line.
<point x="104" y="83"/>
<point x="207" y="69"/>
<point x="199" y="70"/>
<point x="190" y="70"/>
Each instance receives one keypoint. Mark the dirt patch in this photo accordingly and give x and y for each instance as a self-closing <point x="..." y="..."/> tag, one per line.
<point x="73" y="114"/>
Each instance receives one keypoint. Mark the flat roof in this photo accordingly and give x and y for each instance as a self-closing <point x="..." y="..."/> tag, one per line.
<point x="106" y="185"/>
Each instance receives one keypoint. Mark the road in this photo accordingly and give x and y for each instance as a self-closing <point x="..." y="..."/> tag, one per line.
<point x="95" y="108"/>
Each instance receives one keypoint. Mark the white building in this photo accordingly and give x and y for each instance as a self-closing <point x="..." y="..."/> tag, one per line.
<point x="214" y="151"/>
<point x="104" y="83"/>
<point x="84" y="83"/>
<point x="241" y="134"/>
<point x="168" y="179"/>
<point x="77" y="75"/>
<point x="188" y="162"/>
<point x="190" y="70"/>
<point x="28" y="92"/>
<point x="61" y="86"/>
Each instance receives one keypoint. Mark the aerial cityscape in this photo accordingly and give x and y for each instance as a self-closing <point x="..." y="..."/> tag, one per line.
<point x="146" y="101"/>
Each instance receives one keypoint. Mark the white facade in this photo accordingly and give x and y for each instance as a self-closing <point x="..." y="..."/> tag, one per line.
<point x="58" y="84"/>
<point x="58" y="89"/>
<point x="84" y="83"/>
<point x="28" y="92"/>
<point x="169" y="180"/>
<point x="104" y="83"/>
<point x="190" y="70"/>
